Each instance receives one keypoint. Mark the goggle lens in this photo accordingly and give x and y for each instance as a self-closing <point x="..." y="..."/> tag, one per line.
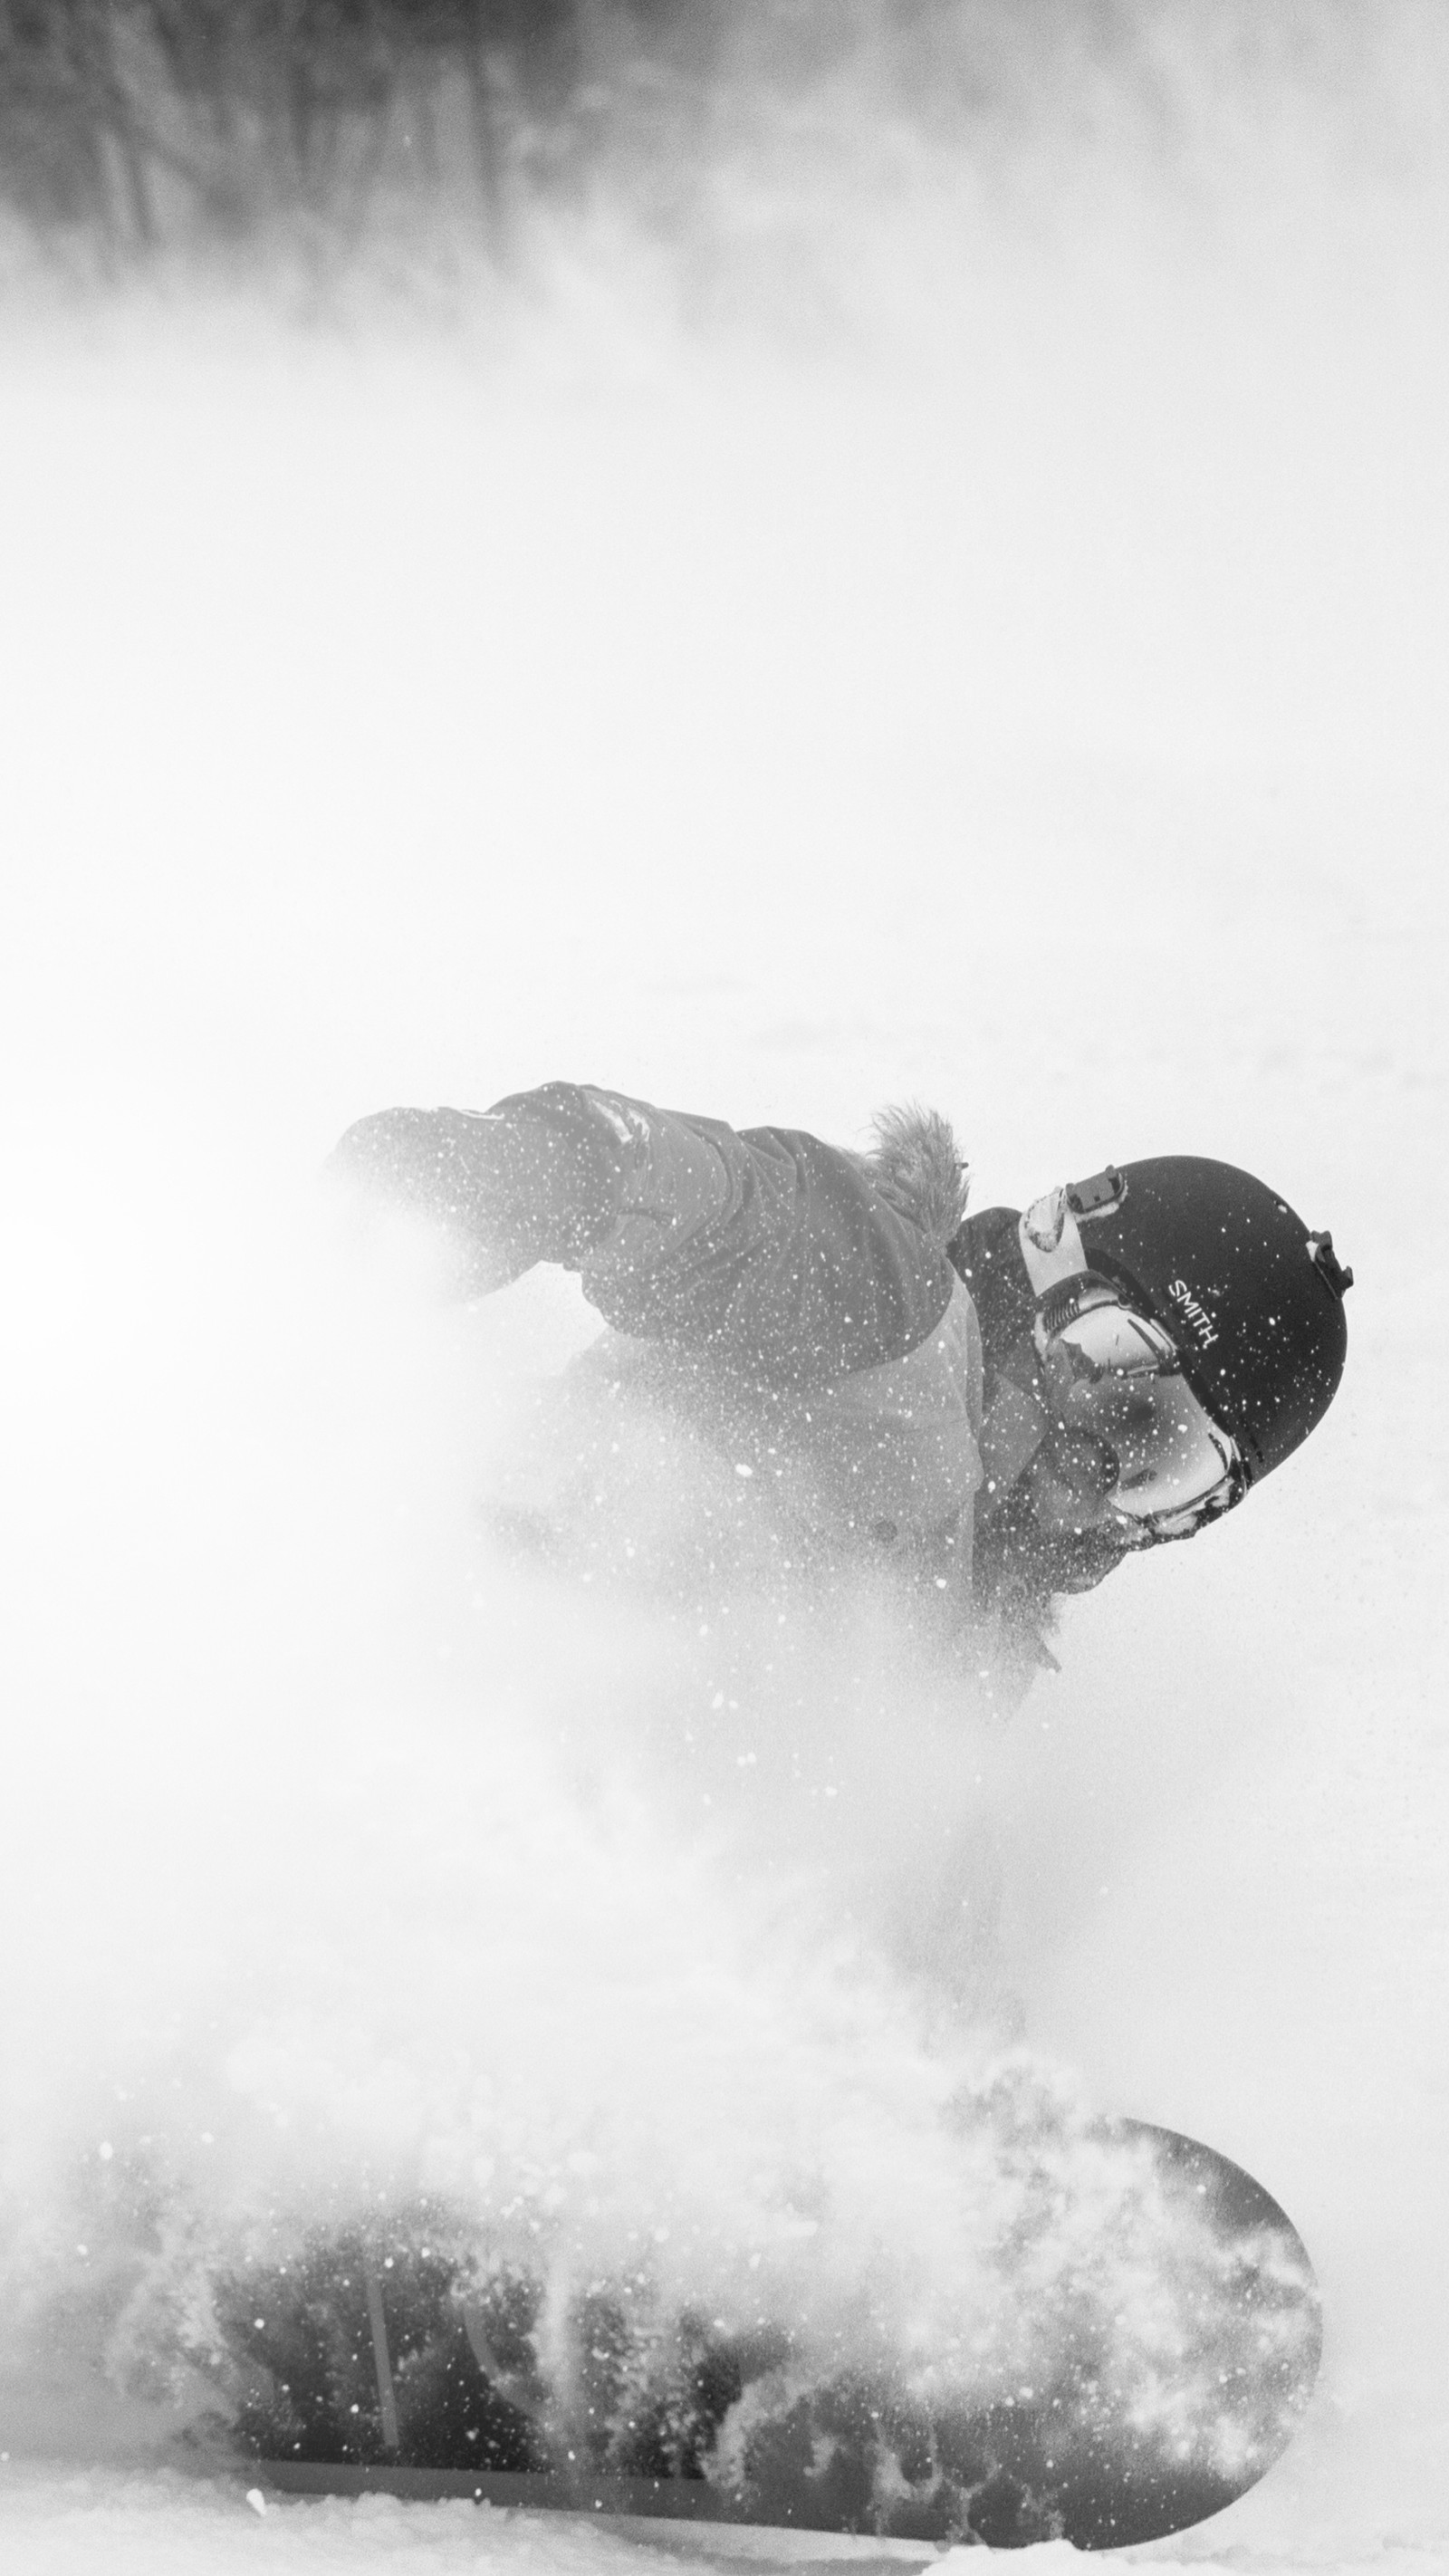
<point x="1112" y="1341"/>
<point x="1118" y="1378"/>
<point x="1170" y="1456"/>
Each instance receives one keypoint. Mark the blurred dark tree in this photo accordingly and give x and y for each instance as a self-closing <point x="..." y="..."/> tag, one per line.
<point x="131" y="123"/>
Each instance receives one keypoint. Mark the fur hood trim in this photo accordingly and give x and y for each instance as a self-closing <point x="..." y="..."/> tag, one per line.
<point x="915" y="1158"/>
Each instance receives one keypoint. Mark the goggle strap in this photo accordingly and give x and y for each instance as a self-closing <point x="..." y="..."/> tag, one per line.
<point x="1051" y="1242"/>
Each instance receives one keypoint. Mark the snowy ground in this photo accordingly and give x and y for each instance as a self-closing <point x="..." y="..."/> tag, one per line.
<point x="1016" y="681"/>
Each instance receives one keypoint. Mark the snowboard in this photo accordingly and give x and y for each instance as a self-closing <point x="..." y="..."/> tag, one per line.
<point x="384" y="2372"/>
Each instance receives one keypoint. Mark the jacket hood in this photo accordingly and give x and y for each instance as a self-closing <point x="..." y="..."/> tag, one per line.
<point x="917" y="1162"/>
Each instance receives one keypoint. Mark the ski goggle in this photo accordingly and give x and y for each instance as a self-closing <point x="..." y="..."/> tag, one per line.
<point x="1085" y="1321"/>
<point x="1114" y="1377"/>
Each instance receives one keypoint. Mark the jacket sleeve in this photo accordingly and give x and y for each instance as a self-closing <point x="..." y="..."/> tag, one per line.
<point x="783" y="1257"/>
<point x="535" y="1178"/>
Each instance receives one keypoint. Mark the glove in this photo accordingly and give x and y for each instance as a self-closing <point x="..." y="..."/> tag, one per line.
<point x="537" y="1178"/>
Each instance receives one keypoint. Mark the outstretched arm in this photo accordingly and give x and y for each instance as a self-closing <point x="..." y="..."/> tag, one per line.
<point x="536" y="1178"/>
<point x="779" y="1252"/>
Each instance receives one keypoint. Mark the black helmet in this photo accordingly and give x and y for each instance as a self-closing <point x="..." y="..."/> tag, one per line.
<point x="1251" y="1298"/>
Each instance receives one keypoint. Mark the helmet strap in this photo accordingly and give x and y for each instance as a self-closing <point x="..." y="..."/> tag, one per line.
<point x="1013" y="1431"/>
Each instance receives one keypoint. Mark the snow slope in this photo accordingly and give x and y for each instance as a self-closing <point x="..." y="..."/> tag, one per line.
<point x="995" y="654"/>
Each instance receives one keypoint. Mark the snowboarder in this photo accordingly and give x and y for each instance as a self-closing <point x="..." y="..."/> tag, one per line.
<point x="1004" y="1406"/>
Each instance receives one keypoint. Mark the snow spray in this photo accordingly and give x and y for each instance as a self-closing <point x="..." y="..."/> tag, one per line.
<point x="614" y="1935"/>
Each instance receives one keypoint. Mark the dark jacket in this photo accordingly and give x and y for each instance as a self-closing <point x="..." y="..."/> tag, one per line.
<point x="818" y="1311"/>
<point x="807" y="1299"/>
